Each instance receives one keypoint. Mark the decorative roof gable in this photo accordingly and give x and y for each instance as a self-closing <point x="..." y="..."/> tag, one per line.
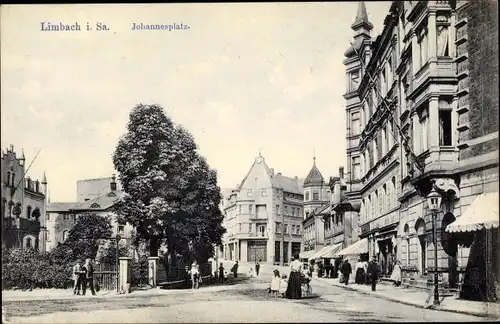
<point x="314" y="177"/>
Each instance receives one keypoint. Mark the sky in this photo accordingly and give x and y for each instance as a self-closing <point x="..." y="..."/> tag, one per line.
<point x="243" y="78"/>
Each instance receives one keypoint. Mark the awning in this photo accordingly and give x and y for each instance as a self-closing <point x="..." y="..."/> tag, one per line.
<point x="482" y="213"/>
<point x="318" y="254"/>
<point x="331" y="250"/>
<point x="357" y="248"/>
<point x="306" y="254"/>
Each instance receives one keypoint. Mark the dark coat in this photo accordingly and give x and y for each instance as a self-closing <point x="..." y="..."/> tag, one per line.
<point x="346" y="268"/>
<point x="373" y="270"/>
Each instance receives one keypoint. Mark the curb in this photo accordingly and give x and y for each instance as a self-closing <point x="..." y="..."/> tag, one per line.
<point x="439" y="308"/>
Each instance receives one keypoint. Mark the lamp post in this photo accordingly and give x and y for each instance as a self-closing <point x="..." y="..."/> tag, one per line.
<point x="434" y="203"/>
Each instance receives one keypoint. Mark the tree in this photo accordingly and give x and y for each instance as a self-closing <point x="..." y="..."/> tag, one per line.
<point x="171" y="193"/>
<point x="83" y="239"/>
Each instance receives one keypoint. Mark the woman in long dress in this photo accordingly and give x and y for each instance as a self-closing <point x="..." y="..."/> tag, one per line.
<point x="396" y="274"/>
<point x="293" y="290"/>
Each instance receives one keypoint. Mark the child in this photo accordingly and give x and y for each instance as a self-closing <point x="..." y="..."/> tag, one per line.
<point x="283" y="285"/>
<point x="251" y="273"/>
<point x="275" y="283"/>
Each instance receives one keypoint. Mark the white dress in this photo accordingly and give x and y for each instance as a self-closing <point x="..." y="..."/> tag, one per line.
<point x="275" y="284"/>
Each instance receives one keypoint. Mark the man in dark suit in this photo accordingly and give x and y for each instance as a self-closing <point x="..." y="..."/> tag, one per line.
<point x="373" y="272"/>
<point x="346" y="270"/>
<point x="88" y="268"/>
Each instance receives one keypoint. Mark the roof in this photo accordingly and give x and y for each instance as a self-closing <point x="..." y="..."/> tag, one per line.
<point x="314" y="177"/>
<point x="101" y="202"/>
<point x="60" y="206"/>
<point x="291" y="185"/>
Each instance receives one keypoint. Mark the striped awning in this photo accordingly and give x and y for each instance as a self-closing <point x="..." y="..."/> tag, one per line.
<point x="330" y="251"/>
<point x="482" y="213"/>
<point x="306" y="254"/>
<point x="357" y="248"/>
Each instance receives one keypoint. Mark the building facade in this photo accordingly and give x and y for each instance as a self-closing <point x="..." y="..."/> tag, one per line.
<point x="316" y="201"/>
<point x="421" y="95"/>
<point x="23" y="204"/>
<point x="263" y="216"/>
<point x="62" y="216"/>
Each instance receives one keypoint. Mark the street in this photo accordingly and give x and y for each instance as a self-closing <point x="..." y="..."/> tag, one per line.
<point x="245" y="301"/>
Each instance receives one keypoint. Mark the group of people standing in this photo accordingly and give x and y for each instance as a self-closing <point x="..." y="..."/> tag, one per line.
<point x="83" y="278"/>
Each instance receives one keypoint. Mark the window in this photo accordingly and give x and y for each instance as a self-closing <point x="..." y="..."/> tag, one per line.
<point x="356" y="165"/>
<point x="297" y="228"/>
<point x="383" y="82"/>
<point x="277" y="209"/>
<point x="66" y="217"/>
<point x="65" y="235"/>
<point x="424" y="132"/>
<point x="28" y="212"/>
<point x="286" y="228"/>
<point x="250" y="209"/>
<point x="277" y="227"/>
<point x="445" y="128"/>
<point x="286" y="210"/>
<point x="48" y="216"/>
<point x="250" y="228"/>
<point x="423" y="46"/>
<point x="263" y="192"/>
<point x="356" y="125"/>
<point x="293" y="229"/>
<point x="316" y="195"/>
<point x="353" y="81"/>
<point x="262" y="230"/>
<point x="394" y="192"/>
<point x="249" y="193"/>
<point x="239" y="209"/>
<point x="121" y="229"/>
<point x="443" y="46"/>
<point x="8" y="178"/>
<point x="13" y="180"/>
<point x="383" y="143"/>
<point x="240" y="228"/>
<point x="293" y="211"/>
<point x="307" y="196"/>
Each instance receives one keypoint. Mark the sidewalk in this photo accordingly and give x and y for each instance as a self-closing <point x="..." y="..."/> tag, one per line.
<point x="417" y="297"/>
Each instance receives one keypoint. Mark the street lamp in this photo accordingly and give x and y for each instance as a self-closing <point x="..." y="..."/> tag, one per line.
<point x="434" y="203"/>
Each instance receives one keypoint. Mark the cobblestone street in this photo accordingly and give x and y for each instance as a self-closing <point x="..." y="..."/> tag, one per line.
<point x="244" y="302"/>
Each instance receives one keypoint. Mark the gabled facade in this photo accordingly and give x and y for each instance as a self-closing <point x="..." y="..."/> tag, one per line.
<point x="23" y="204"/>
<point x="255" y="213"/>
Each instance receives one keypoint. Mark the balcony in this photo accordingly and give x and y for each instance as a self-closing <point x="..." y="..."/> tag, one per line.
<point x="251" y="235"/>
<point x="28" y="225"/>
<point x="435" y="69"/>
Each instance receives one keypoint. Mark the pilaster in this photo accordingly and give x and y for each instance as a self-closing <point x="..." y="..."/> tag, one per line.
<point x="431" y="25"/>
<point x="433" y="137"/>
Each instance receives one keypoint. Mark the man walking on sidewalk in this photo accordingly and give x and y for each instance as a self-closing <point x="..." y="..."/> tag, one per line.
<point x="346" y="271"/>
<point x="257" y="267"/>
<point x="373" y="272"/>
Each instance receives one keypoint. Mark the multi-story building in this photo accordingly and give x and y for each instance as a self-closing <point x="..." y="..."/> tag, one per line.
<point x="263" y="216"/>
<point x="422" y="95"/>
<point x="316" y="201"/>
<point x="62" y="216"/>
<point x="23" y="204"/>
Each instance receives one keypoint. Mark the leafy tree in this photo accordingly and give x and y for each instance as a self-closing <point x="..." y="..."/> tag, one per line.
<point x="171" y="193"/>
<point x="83" y="239"/>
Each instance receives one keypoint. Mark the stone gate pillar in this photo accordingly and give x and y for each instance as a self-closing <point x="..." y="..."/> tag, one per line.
<point x="153" y="271"/>
<point x="125" y="275"/>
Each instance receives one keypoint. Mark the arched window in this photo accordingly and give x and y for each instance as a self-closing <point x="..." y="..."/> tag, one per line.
<point x="13" y="179"/>
<point x="407" y="243"/>
<point x="65" y="235"/>
<point x="375" y="204"/>
<point x="370" y="207"/>
<point x="8" y="178"/>
<point x="28" y="212"/>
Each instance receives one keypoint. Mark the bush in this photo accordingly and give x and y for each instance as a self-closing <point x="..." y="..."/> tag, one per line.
<point x="27" y="269"/>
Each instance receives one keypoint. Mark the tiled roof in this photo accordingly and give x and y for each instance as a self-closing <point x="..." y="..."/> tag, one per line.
<point x="292" y="185"/>
<point x="101" y="202"/>
<point x="314" y="177"/>
<point x="60" y="206"/>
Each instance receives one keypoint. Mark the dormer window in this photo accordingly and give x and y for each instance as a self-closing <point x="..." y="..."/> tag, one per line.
<point x="111" y="194"/>
<point x="95" y="205"/>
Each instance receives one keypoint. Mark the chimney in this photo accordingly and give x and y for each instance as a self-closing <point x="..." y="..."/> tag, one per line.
<point x="113" y="183"/>
<point x="341" y="172"/>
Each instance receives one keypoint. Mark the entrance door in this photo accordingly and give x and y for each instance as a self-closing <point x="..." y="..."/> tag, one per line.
<point x="257" y="251"/>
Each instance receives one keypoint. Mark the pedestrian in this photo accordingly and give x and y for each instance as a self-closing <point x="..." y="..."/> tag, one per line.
<point x="360" y="273"/>
<point x="396" y="274"/>
<point x="274" y="286"/>
<point x="221" y="273"/>
<point x="195" y="275"/>
<point x="257" y="267"/>
<point x="88" y="269"/>
<point x="77" y="278"/>
<point x="294" y="289"/>
<point x="234" y="270"/>
<point x="251" y="273"/>
<point x="327" y="270"/>
<point x="346" y="271"/>
<point x="373" y="272"/>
